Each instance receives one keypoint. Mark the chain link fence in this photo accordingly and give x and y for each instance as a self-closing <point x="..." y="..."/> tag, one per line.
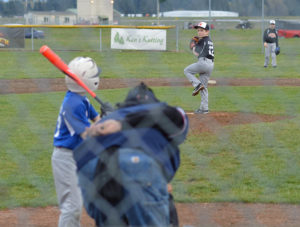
<point x="240" y="162"/>
<point x="80" y="37"/>
<point x="98" y="38"/>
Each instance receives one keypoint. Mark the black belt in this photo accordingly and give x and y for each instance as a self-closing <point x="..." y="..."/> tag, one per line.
<point x="204" y="58"/>
<point x="59" y="147"/>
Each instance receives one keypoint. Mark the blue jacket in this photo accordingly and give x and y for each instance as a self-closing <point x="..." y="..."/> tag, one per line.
<point x="149" y="140"/>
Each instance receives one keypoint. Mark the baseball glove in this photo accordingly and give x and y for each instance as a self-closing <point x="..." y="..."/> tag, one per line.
<point x="194" y="41"/>
<point x="277" y="50"/>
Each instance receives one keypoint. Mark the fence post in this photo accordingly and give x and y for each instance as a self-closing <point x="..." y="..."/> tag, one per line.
<point x="262" y="23"/>
<point x="100" y="40"/>
<point x="32" y="48"/>
<point x="177" y="38"/>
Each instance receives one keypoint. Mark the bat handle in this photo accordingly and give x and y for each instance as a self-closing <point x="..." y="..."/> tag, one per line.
<point x="99" y="100"/>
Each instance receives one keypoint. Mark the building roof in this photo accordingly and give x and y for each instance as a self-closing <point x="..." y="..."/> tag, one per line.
<point x="201" y="13"/>
<point x="54" y="13"/>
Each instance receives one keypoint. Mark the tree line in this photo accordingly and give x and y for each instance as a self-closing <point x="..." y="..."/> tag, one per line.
<point x="19" y="7"/>
<point x="243" y="7"/>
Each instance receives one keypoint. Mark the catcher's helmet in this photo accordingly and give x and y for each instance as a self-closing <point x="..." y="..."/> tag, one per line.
<point x="141" y="94"/>
<point x="87" y="70"/>
<point x="277" y="50"/>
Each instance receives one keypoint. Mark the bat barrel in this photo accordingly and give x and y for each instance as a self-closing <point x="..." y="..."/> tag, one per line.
<point x="44" y="48"/>
<point x="54" y="58"/>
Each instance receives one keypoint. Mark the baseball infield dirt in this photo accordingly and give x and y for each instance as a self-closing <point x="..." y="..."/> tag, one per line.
<point x="190" y="214"/>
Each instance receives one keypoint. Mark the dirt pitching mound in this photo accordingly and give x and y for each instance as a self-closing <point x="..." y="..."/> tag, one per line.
<point x="215" y="121"/>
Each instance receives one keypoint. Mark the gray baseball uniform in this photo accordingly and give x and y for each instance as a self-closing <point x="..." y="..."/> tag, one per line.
<point x="271" y="38"/>
<point x="67" y="190"/>
<point x="74" y="117"/>
<point x="204" y="67"/>
<point x="270" y="49"/>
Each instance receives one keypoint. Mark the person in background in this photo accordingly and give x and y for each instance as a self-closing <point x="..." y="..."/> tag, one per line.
<point x="270" y="40"/>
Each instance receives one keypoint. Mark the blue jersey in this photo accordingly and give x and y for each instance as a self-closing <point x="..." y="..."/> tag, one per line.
<point x="74" y="116"/>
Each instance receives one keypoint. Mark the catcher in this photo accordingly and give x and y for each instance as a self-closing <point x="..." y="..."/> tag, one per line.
<point x="128" y="159"/>
<point x="203" y="48"/>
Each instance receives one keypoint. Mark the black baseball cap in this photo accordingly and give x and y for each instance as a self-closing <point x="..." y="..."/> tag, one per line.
<point x="203" y="25"/>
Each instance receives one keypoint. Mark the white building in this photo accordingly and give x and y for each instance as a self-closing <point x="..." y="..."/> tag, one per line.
<point x="51" y="17"/>
<point x="88" y="12"/>
<point x="201" y="13"/>
<point x="95" y="11"/>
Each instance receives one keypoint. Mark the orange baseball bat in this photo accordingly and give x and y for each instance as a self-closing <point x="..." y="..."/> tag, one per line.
<point x="61" y="65"/>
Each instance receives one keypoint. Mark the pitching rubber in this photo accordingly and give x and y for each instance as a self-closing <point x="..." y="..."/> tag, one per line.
<point x="190" y="113"/>
<point x="213" y="82"/>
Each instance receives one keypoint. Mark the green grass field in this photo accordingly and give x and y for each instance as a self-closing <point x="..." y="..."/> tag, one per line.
<point x="242" y="163"/>
<point x="238" y="54"/>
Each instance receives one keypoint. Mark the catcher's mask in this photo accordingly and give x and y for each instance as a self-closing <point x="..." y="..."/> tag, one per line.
<point x="140" y="94"/>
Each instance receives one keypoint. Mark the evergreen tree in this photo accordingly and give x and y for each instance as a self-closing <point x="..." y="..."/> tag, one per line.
<point x="274" y="8"/>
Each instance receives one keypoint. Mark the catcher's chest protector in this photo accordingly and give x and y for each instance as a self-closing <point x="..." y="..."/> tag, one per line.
<point x="126" y="187"/>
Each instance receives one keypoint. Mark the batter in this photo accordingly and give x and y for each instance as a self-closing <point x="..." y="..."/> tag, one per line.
<point x="74" y="118"/>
